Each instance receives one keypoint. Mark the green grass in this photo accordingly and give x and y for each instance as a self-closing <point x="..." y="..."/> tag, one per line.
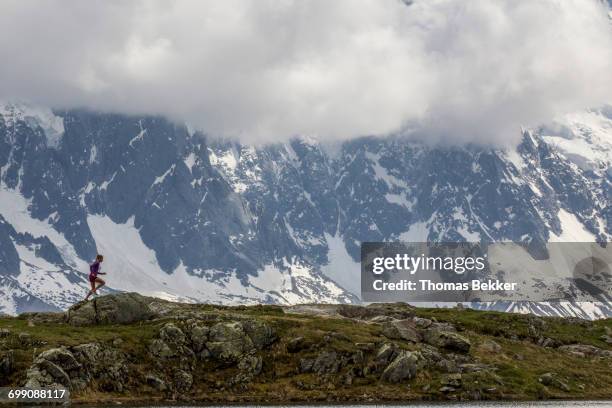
<point x="517" y="367"/>
<point x="505" y="325"/>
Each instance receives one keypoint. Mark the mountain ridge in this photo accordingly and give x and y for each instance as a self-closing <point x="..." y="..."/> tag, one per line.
<point x="184" y="216"/>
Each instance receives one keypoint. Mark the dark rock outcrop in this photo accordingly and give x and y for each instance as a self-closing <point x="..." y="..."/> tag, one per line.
<point x="261" y="334"/>
<point x="402" y="329"/>
<point x="228" y="342"/>
<point x="403" y="367"/>
<point x="447" y="340"/>
<point x="75" y="368"/>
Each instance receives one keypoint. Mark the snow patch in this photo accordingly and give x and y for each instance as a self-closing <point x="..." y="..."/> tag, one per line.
<point x="190" y="161"/>
<point x="15" y="209"/>
<point x="418" y="232"/>
<point x="341" y="268"/>
<point x="572" y="230"/>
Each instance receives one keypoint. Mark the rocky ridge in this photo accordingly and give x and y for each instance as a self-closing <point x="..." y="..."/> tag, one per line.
<point x="129" y="347"/>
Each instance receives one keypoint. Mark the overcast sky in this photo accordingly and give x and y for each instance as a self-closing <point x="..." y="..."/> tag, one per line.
<point x="263" y="71"/>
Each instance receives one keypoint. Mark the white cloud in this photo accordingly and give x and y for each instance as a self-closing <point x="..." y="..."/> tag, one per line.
<point x="267" y="70"/>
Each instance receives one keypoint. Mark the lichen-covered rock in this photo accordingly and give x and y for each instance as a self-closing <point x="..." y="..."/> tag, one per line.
<point x="46" y="374"/>
<point x="386" y="353"/>
<point x="228" y="342"/>
<point x="403" y="367"/>
<point x="585" y="350"/>
<point x="7" y="362"/>
<point x="249" y="367"/>
<point x="155" y="382"/>
<point x="434" y="359"/>
<point x="111" y="309"/>
<point x="552" y="380"/>
<point x="251" y="364"/>
<point x="305" y="365"/>
<point x="198" y="336"/>
<point x="62" y="357"/>
<point x="421" y="322"/>
<point x="401" y="330"/>
<point x="182" y="380"/>
<point x="160" y="349"/>
<point x="327" y="362"/>
<point x="261" y="334"/>
<point x="172" y="344"/>
<point x="546" y="379"/>
<point x="82" y="314"/>
<point x="51" y="369"/>
<point x="448" y="340"/>
<point x="75" y="369"/>
<point x="107" y="366"/>
<point x="296" y="345"/>
<point x="171" y="334"/>
<point x="546" y="342"/>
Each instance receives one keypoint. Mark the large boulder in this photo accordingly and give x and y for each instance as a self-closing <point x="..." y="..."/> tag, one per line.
<point x="228" y="342"/>
<point x="45" y="374"/>
<point x="52" y="369"/>
<point x="403" y="367"/>
<point x="261" y="334"/>
<point x="198" y="335"/>
<point x="447" y="339"/>
<point x="106" y="365"/>
<point x="386" y="353"/>
<point x="172" y="334"/>
<point x="248" y="367"/>
<point x="172" y="343"/>
<point x="62" y="357"/>
<point x="82" y="314"/>
<point x="402" y="330"/>
<point x="78" y="367"/>
<point x="120" y="308"/>
<point x="326" y="362"/>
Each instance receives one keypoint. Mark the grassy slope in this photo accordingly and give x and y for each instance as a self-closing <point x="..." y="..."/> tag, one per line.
<point x="519" y="365"/>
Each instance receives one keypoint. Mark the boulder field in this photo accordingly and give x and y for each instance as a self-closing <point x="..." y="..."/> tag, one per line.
<point x="127" y="348"/>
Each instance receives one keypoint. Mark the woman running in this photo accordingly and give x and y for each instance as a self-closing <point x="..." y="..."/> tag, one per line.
<point x="94" y="271"/>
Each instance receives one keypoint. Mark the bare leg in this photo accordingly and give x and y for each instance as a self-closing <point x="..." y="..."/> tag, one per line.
<point x="92" y="290"/>
<point x="100" y="284"/>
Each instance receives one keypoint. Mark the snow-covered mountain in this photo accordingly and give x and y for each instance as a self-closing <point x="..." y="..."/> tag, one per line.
<point x="178" y="215"/>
